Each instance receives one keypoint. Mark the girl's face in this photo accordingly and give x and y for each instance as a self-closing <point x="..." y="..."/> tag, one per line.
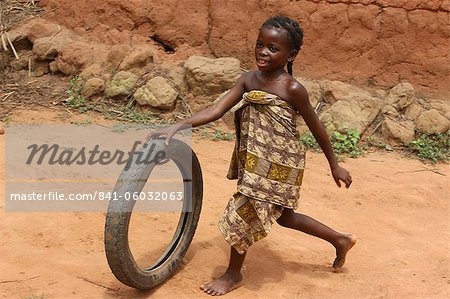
<point x="273" y="49"/>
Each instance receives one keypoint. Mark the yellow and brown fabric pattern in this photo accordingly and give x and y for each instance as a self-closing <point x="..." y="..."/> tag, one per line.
<point x="268" y="159"/>
<point x="246" y="221"/>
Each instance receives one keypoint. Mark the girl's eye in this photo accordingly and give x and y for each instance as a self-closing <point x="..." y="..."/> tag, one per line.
<point x="258" y="44"/>
<point x="273" y="49"/>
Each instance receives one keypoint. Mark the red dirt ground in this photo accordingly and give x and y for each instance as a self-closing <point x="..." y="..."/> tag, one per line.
<point x="398" y="208"/>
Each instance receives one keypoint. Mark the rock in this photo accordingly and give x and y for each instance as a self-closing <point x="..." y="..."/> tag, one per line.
<point x="326" y="118"/>
<point x="3" y="60"/>
<point x="93" y="86"/>
<point x="401" y="95"/>
<point x="53" y="66"/>
<point x="20" y="64"/>
<point x="116" y="55"/>
<point x="380" y="93"/>
<point x="413" y="111"/>
<point x="92" y="70"/>
<point x="335" y="90"/>
<point x="176" y="73"/>
<point x="397" y="132"/>
<point x="352" y="40"/>
<point x="351" y="107"/>
<point x="40" y="68"/>
<point x="206" y="76"/>
<point x="314" y="90"/>
<point x="442" y="107"/>
<point x="45" y="49"/>
<point x="431" y="122"/>
<point x="74" y="56"/>
<point x="389" y="110"/>
<point x="158" y="93"/>
<point x="121" y="85"/>
<point x="139" y="57"/>
<point x="42" y="28"/>
<point x="423" y="103"/>
<point x="228" y="117"/>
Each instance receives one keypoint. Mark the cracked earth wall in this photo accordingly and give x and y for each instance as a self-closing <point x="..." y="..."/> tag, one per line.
<point x="366" y="42"/>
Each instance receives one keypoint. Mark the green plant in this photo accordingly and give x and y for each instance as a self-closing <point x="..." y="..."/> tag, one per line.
<point x="309" y="141"/>
<point x="84" y="122"/>
<point x="346" y="143"/>
<point x="343" y="143"/>
<point x="132" y="115"/>
<point x="214" y="134"/>
<point x="6" y="119"/>
<point x="433" y="148"/>
<point x="76" y="99"/>
<point x="220" y="135"/>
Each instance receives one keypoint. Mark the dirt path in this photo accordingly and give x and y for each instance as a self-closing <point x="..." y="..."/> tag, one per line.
<point x="398" y="208"/>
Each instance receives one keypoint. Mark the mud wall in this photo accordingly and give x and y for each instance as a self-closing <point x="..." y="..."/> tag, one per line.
<point x="365" y="42"/>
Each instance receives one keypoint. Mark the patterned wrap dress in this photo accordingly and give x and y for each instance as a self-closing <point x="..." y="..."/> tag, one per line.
<point x="268" y="162"/>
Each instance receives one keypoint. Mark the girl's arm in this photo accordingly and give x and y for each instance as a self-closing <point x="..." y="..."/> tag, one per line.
<point x="303" y="106"/>
<point x="206" y="115"/>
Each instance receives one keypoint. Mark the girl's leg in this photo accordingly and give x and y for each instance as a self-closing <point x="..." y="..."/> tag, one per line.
<point x="231" y="279"/>
<point x="342" y="242"/>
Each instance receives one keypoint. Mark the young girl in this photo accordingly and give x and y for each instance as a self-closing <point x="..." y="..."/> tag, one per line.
<point x="268" y="159"/>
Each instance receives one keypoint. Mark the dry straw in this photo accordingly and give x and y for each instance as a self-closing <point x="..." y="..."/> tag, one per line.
<point x="11" y="13"/>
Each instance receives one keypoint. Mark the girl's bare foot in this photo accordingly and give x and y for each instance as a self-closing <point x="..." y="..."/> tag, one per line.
<point x="223" y="284"/>
<point x="344" y="244"/>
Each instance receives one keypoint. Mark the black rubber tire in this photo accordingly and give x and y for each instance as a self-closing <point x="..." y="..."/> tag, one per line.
<point x="120" y="258"/>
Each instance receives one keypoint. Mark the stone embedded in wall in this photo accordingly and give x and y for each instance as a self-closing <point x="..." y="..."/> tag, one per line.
<point x="351" y="107"/>
<point x="40" y="68"/>
<point x="442" y="106"/>
<point x="389" y="110"/>
<point x="336" y="90"/>
<point x="327" y="120"/>
<point x="138" y="58"/>
<point x="348" y="40"/>
<point x="176" y="74"/>
<point x="41" y="28"/>
<point x="53" y="67"/>
<point x="158" y="93"/>
<point x="397" y="132"/>
<point x="4" y="61"/>
<point x="116" y="55"/>
<point x="206" y="76"/>
<point x="431" y="122"/>
<point x="413" y="111"/>
<point x="401" y="95"/>
<point x="74" y="57"/>
<point x="45" y="49"/>
<point x="314" y="90"/>
<point x="121" y="85"/>
<point x="92" y="87"/>
<point x="20" y="64"/>
<point x="93" y="70"/>
<point x="228" y="117"/>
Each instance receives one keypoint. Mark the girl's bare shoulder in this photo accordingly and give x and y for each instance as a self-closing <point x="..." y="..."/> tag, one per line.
<point x="297" y="94"/>
<point x="249" y="76"/>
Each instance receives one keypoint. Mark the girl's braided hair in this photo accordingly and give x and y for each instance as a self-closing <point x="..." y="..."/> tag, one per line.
<point x="292" y="27"/>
